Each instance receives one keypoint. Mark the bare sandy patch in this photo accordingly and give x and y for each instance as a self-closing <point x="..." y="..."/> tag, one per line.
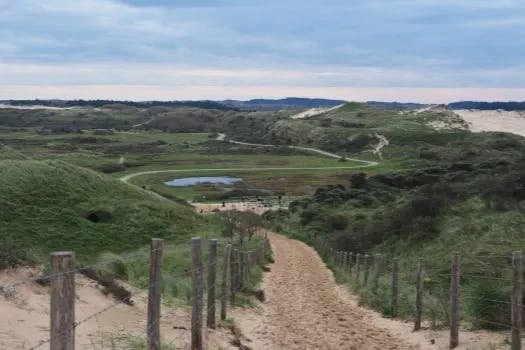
<point x="25" y="320"/>
<point x="312" y="112"/>
<point x="498" y="120"/>
<point x="256" y="208"/>
<point x="34" y="107"/>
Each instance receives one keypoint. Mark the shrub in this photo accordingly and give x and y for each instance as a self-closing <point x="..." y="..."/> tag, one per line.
<point x="357" y="180"/>
<point x="337" y="221"/>
<point x="112" y="168"/>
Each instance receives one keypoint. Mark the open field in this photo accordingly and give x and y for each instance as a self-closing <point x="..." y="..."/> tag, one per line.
<point x="123" y="154"/>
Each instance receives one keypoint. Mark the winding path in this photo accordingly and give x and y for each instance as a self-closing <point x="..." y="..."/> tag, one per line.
<point x="222" y="137"/>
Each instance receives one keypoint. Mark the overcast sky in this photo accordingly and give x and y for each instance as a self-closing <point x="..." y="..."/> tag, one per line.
<point x="408" y="50"/>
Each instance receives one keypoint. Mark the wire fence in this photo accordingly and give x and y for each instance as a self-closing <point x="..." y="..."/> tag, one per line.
<point x="235" y="269"/>
<point x="490" y="300"/>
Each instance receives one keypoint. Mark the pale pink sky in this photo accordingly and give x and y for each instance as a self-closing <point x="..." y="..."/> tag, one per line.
<point x="219" y="92"/>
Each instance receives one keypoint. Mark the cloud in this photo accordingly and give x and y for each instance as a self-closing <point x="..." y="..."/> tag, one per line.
<point x="237" y="43"/>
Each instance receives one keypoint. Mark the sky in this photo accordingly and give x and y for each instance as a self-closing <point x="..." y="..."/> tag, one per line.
<point x="390" y="50"/>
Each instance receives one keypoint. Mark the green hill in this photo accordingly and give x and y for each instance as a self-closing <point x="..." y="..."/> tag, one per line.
<point x="462" y="192"/>
<point x="52" y="205"/>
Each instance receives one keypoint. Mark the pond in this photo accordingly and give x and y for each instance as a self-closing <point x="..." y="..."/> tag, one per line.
<point x="192" y="181"/>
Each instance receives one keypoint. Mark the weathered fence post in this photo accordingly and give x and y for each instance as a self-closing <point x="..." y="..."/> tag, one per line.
<point x="419" y="293"/>
<point x="234" y="273"/>
<point x="62" y="301"/>
<point x="395" y="286"/>
<point x="357" y="266"/>
<point x="345" y="260"/>
<point x="154" y="293"/>
<point x="366" y="263"/>
<point x="242" y="266"/>
<point x="517" y="299"/>
<point x="378" y="267"/>
<point x="224" y="281"/>
<point x="454" y="300"/>
<point x="212" y="276"/>
<point x="350" y="262"/>
<point x="197" y="294"/>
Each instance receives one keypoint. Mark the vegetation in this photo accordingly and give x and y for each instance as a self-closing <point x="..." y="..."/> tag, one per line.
<point x="52" y="205"/>
<point x="439" y="188"/>
<point x="466" y="194"/>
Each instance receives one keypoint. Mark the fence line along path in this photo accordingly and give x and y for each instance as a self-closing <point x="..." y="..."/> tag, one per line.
<point x="64" y="323"/>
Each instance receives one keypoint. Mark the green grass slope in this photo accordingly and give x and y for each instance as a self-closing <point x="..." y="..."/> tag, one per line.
<point x="467" y="195"/>
<point x="45" y="204"/>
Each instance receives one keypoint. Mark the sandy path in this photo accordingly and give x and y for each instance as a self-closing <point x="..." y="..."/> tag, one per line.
<point x="222" y="137"/>
<point x="304" y="308"/>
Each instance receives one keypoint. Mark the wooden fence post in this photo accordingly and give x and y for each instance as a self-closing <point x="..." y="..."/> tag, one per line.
<point x="454" y="300"/>
<point x="197" y="294"/>
<point x="224" y="281"/>
<point x="395" y="281"/>
<point x="234" y="273"/>
<point x="248" y="267"/>
<point x="241" y="263"/>
<point x="154" y="293"/>
<point x="62" y="301"/>
<point x="378" y="269"/>
<point x="212" y="276"/>
<point x="366" y="263"/>
<point x="420" y="278"/>
<point x="350" y="262"/>
<point x="357" y="266"/>
<point x="517" y="299"/>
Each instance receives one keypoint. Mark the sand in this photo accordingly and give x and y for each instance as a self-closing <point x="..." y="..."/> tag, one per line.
<point x="498" y="120"/>
<point x="25" y="318"/>
<point x="305" y="309"/>
<point x="312" y="112"/>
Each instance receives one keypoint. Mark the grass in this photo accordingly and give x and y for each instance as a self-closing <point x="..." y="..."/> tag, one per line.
<point x="46" y="204"/>
<point x="285" y="182"/>
<point x="150" y="150"/>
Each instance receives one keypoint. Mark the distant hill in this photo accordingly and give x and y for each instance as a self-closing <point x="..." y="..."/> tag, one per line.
<point x="507" y="106"/>
<point x="284" y="103"/>
<point x="396" y="105"/>
<point x="101" y="103"/>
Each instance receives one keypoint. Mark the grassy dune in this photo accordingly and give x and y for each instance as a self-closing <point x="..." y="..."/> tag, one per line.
<point x="45" y="205"/>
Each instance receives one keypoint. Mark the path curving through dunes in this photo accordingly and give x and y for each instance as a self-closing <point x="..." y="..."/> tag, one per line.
<point x="222" y="137"/>
<point x="304" y="308"/>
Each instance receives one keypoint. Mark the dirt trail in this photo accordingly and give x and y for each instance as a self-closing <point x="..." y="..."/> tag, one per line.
<point x="304" y="308"/>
